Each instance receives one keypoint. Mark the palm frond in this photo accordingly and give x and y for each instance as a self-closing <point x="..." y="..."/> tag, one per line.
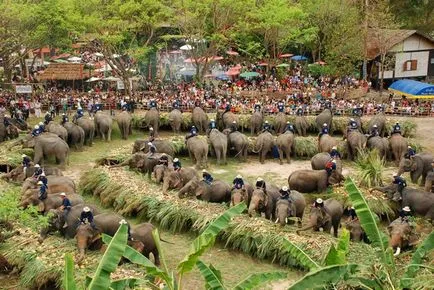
<point x="258" y="279"/>
<point x="212" y="276"/>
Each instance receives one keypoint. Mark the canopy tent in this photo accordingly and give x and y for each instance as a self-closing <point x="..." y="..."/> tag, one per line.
<point x="186" y="47"/>
<point x="111" y="79"/>
<point x="249" y="74"/>
<point x="282" y="65"/>
<point x="93" y="79"/>
<point x="64" y="71"/>
<point x="298" y="58"/>
<point x="285" y="55"/>
<point x="413" y="89"/>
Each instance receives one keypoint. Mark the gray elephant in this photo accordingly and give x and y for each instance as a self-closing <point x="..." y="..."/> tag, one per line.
<point x="163" y="146"/>
<point x="398" y="146"/>
<point x="124" y="124"/>
<point x="142" y="233"/>
<point x="199" y="119"/>
<point x="380" y="121"/>
<point x="55" y="184"/>
<point x="17" y="174"/>
<point x="225" y="120"/>
<point x="103" y="125"/>
<point x="356" y="142"/>
<point x="76" y="135"/>
<point x="57" y="129"/>
<point x="327" y="218"/>
<point x="429" y="186"/>
<point x="326" y="117"/>
<point x="326" y="143"/>
<point x="219" y="145"/>
<point x="159" y="171"/>
<point x="239" y="142"/>
<point x="285" y="145"/>
<point x="401" y="236"/>
<point x="294" y="207"/>
<point x="357" y="234"/>
<point x="175" y="120"/>
<point x="241" y="194"/>
<point x="264" y="202"/>
<point x="418" y="166"/>
<point x="264" y="144"/>
<point x="53" y="201"/>
<point x="256" y="123"/>
<point x="88" y="127"/>
<point x="5" y="134"/>
<point x="301" y="125"/>
<point x="309" y="181"/>
<point x="47" y="145"/>
<point x="319" y="161"/>
<point x="219" y="191"/>
<point x="178" y="178"/>
<point x="381" y="144"/>
<point x="152" y="119"/>
<point x="198" y="151"/>
<point x="280" y="123"/>
<point x="143" y="162"/>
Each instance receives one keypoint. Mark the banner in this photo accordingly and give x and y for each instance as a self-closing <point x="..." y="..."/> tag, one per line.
<point x="120" y="85"/>
<point x="23" y="89"/>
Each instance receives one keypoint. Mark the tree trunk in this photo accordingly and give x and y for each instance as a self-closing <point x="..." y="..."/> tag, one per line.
<point x="383" y="57"/>
<point x="7" y="72"/>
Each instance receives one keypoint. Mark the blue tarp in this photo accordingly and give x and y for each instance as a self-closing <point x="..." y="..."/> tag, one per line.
<point x="298" y="57"/>
<point x="413" y="89"/>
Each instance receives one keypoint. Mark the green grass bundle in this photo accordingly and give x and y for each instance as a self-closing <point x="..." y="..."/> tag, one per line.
<point x="370" y="168"/>
<point x="415" y="145"/>
<point x="306" y="146"/>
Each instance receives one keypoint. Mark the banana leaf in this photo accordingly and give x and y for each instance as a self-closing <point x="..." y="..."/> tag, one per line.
<point x="206" y="239"/>
<point x="337" y="256"/>
<point x="257" y="279"/>
<point x="68" y="276"/>
<point x="110" y="260"/>
<point x="212" y="276"/>
<point x="128" y="283"/>
<point x="323" y="277"/>
<point x="298" y="254"/>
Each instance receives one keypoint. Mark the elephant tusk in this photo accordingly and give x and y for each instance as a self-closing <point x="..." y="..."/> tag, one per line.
<point x="277" y="220"/>
<point x="286" y="220"/>
<point x="398" y="251"/>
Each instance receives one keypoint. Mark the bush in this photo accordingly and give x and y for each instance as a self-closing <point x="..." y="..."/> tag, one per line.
<point x="370" y="168"/>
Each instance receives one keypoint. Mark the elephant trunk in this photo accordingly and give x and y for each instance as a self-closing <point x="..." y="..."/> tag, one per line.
<point x="81" y="245"/>
<point x="305" y="228"/>
<point x="124" y="163"/>
<point x="43" y="234"/>
<point x="252" y="208"/>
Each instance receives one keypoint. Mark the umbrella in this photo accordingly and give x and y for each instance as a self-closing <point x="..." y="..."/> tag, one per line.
<point x="249" y="74"/>
<point x="231" y="52"/>
<point x="93" y="79"/>
<point x="46" y="62"/>
<point x="208" y="76"/>
<point x="285" y="55"/>
<point x="282" y="65"/>
<point x="217" y="58"/>
<point x="175" y="52"/>
<point x="74" y="59"/>
<point x="98" y="54"/>
<point x="188" y="60"/>
<point x="320" y="62"/>
<point x="60" y="61"/>
<point x="298" y="57"/>
<point x="233" y="72"/>
<point x="222" y="77"/>
<point x="186" y="47"/>
<point x="262" y="64"/>
<point x="111" y="79"/>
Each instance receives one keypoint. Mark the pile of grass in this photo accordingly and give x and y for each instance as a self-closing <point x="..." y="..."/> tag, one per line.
<point x="370" y="168"/>
<point x="12" y="155"/>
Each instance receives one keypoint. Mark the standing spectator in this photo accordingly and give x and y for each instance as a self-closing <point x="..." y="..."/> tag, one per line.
<point x="38" y="109"/>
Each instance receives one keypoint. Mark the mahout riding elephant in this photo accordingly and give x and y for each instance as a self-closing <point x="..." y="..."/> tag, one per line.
<point x="175" y="120"/>
<point x="45" y="146"/>
<point x="286" y="145"/>
<point x="401" y="236"/>
<point x="239" y="142"/>
<point x="319" y="161"/>
<point x="239" y="195"/>
<point x="357" y="234"/>
<point x="142" y="233"/>
<point x="76" y="135"/>
<point x="356" y="142"/>
<point x="419" y="165"/>
<point x="219" y="144"/>
<point x="177" y="179"/>
<point x="398" y="146"/>
<point x="326" y="117"/>
<point x="380" y="121"/>
<point x="256" y="123"/>
<point x="57" y="129"/>
<point x="326" y="143"/>
<point x="325" y="219"/>
<point x="22" y="125"/>
<point x="143" y="162"/>
<point x="88" y="127"/>
<point x="225" y="120"/>
<point x="264" y="202"/>
<point x="124" y="124"/>
<point x="57" y="220"/>
<point x="294" y="207"/>
<point x="53" y="201"/>
<point x="103" y="125"/>
<point x="10" y="134"/>
<point x="163" y="146"/>
<point x="199" y="119"/>
<point x="152" y="119"/>
<point x="219" y="191"/>
<point x="280" y="123"/>
<point x="198" y="151"/>
<point x="429" y="186"/>
<point x="55" y="184"/>
<point x="264" y="144"/>
<point x="17" y="174"/>
<point x="309" y="181"/>
<point x="301" y="125"/>
<point x="381" y="144"/>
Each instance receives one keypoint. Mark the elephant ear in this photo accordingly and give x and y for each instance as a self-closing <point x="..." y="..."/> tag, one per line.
<point x="413" y="166"/>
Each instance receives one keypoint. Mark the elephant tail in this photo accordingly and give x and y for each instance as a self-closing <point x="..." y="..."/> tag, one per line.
<point x="259" y="150"/>
<point x="166" y="241"/>
<point x="242" y="150"/>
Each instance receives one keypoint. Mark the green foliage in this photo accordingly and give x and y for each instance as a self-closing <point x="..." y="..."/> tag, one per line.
<point x="300" y="255"/>
<point x="370" y="168"/>
<point x="255" y="280"/>
<point x="212" y="276"/>
<point x="68" y="276"/>
<point x="337" y="256"/>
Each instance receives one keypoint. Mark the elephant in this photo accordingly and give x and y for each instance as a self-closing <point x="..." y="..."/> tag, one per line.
<point x="380" y="121"/>
<point x="46" y="145"/>
<point x="22" y="125"/>
<point x="225" y="120"/>
<point x="242" y="194"/>
<point x="219" y="144"/>
<point x="177" y="179"/>
<point x="429" y="187"/>
<point x="357" y="234"/>
<point x="198" y="151"/>
<point x="53" y="201"/>
<point x="264" y="144"/>
<point x="124" y="124"/>
<point x="163" y="146"/>
<point x="158" y="172"/>
<point x="294" y="207"/>
<point x="56" y="221"/>
<point x="219" y="191"/>
<point x="152" y="119"/>
<point x="4" y="134"/>
<point x="199" y="119"/>
<point x="142" y="233"/>
<point x="356" y="142"/>
<point x="285" y="145"/>
<point x="57" y="129"/>
<point x="76" y="135"/>
<point x="401" y="236"/>
<point x="55" y="184"/>
<point x="326" y="117"/>
<point x="103" y="125"/>
<point x="309" y="181"/>
<point x="239" y="142"/>
<point x="88" y="127"/>
<point x="280" y="123"/>
<point x="264" y="202"/>
<point x="145" y="163"/>
<point x="17" y="174"/>
<point x="319" y="161"/>
<point x="256" y="122"/>
<point x="326" y="143"/>
<point x="381" y="144"/>
<point x="325" y="219"/>
<point x="398" y="146"/>
<point x="419" y="165"/>
<point x="301" y="125"/>
<point x="175" y="120"/>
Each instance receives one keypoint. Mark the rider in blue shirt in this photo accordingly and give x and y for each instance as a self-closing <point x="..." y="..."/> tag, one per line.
<point x="207" y="177"/>
<point x="289" y="127"/>
<point x="281" y="107"/>
<point x="400" y="182"/>
<point x="42" y="190"/>
<point x="374" y="132"/>
<point x="212" y="124"/>
<point x="153" y="104"/>
<point x="176" y="164"/>
<point x="324" y="130"/>
<point x="266" y="127"/>
<point x="410" y="152"/>
<point x="300" y="111"/>
<point x="396" y="128"/>
<point x="64" y="118"/>
<point x="238" y="182"/>
<point x="257" y="107"/>
<point x="36" y="131"/>
<point x="334" y="153"/>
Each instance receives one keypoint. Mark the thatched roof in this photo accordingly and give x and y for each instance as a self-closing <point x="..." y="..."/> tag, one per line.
<point x="64" y="71"/>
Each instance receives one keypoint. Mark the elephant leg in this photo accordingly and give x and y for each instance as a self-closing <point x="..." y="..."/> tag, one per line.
<point x="280" y="155"/>
<point x="218" y="156"/>
<point x="288" y="154"/>
<point x="224" y="157"/>
<point x="156" y="257"/>
<point x="109" y="135"/>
